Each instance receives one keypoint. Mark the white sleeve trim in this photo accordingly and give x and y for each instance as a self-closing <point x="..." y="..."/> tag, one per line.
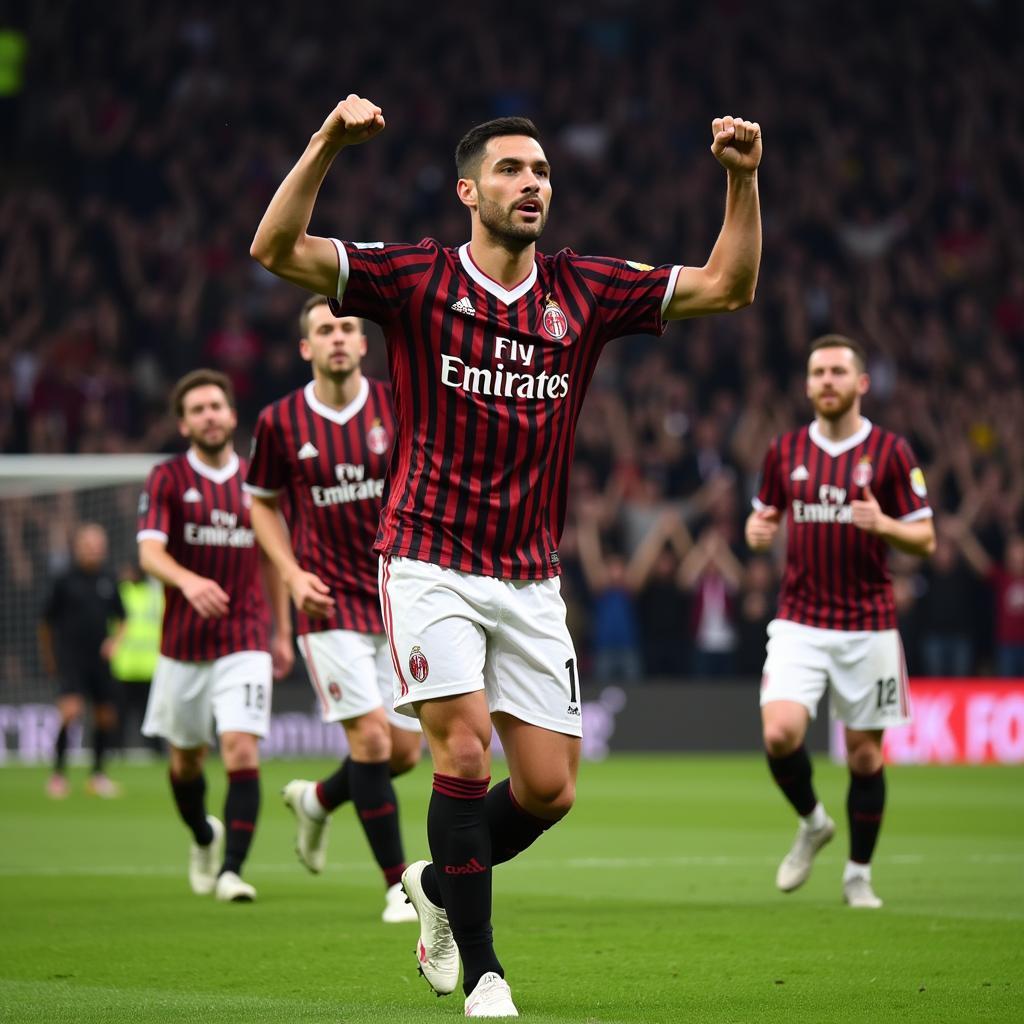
<point x="917" y="515"/>
<point x="670" y="289"/>
<point x="151" y="535"/>
<point x="261" y="492"/>
<point x="343" y="269"/>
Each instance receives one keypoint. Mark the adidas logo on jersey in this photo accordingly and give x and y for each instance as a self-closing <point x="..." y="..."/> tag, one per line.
<point x="800" y="473"/>
<point x="464" y="306"/>
<point x="309" y="451"/>
<point x="191" y="496"/>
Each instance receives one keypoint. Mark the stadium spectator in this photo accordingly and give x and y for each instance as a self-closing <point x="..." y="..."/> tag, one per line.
<point x="131" y="179"/>
<point x="1006" y="579"/>
<point x="946" y="640"/>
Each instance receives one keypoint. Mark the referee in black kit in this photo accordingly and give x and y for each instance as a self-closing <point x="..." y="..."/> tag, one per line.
<point x="81" y="623"/>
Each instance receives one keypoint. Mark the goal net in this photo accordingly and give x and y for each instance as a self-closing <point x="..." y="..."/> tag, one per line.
<point x="43" y="499"/>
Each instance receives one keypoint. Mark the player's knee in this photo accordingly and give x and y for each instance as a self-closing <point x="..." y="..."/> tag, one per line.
<point x="186" y="765"/>
<point x="550" y="799"/>
<point x="369" y="738"/>
<point x="865" y="759"/>
<point x="780" y="739"/>
<point x="465" y="756"/>
<point x="240" y="751"/>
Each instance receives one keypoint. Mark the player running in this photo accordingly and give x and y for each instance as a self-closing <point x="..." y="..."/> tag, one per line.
<point x="848" y="491"/>
<point x="492" y="346"/>
<point x="215" y="663"/>
<point x="325" y="449"/>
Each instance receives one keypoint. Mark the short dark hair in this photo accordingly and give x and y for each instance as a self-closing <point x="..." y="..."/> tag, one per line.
<point x="198" y="379"/>
<point x="841" y="341"/>
<point x="470" y="150"/>
<point x="309" y="305"/>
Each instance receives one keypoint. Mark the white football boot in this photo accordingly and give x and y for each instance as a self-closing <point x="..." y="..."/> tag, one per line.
<point x="795" y="868"/>
<point x="204" y="861"/>
<point x="397" y="908"/>
<point x="231" y="889"/>
<point x="491" y="998"/>
<point x="311" y="837"/>
<point x="436" y="951"/>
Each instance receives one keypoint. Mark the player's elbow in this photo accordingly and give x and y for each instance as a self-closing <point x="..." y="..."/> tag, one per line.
<point x="739" y="295"/>
<point x="262" y="252"/>
<point x="271" y="249"/>
<point x="929" y="545"/>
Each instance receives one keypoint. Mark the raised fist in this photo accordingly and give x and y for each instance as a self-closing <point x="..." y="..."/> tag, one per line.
<point x="352" y="121"/>
<point x="737" y="144"/>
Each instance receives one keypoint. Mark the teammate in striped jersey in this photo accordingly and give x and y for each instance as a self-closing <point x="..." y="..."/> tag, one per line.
<point x="492" y="346"/>
<point x="215" y="665"/>
<point x="325" y="449"/>
<point x="847" y="491"/>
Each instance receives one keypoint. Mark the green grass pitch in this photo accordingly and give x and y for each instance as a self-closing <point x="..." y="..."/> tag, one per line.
<point x="653" y="902"/>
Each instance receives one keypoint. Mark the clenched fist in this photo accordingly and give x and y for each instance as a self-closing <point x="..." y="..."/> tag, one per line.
<point x="737" y="144"/>
<point x="762" y="527"/>
<point x="352" y="121"/>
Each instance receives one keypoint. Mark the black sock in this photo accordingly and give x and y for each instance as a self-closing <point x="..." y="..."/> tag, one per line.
<point x="241" y="808"/>
<point x="865" y="803"/>
<point x="335" y="790"/>
<point x="60" y="751"/>
<point x="792" y="774"/>
<point x="377" y="807"/>
<point x="512" y="829"/>
<point x="190" y="796"/>
<point x="100" y="742"/>
<point x="460" y="844"/>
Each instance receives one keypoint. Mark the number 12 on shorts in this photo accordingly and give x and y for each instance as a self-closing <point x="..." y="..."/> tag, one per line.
<point x="887" y="693"/>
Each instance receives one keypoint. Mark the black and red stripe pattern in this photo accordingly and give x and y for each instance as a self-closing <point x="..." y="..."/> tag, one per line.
<point x="837" y="575"/>
<point x="461" y="789"/>
<point x="204" y="517"/>
<point x="488" y="385"/>
<point x="330" y="464"/>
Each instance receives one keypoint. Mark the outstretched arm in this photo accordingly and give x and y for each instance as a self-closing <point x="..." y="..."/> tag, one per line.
<point x="729" y="278"/>
<point x="283" y="243"/>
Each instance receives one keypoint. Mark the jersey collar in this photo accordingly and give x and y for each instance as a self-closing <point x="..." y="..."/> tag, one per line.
<point x="837" y="448"/>
<point x="490" y="285"/>
<point x="339" y="416"/>
<point x="218" y="476"/>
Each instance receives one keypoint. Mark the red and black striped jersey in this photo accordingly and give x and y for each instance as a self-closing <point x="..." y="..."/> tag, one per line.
<point x="488" y="384"/>
<point x="330" y="465"/>
<point x="203" y="516"/>
<point x="837" y="575"/>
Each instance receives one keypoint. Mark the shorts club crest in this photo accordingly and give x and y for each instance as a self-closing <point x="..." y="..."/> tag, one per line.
<point x="419" y="668"/>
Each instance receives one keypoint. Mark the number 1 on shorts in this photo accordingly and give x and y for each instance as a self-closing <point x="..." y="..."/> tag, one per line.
<point x="571" y="666"/>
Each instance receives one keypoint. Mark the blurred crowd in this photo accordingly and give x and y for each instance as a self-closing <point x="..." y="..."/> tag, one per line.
<point x="146" y="140"/>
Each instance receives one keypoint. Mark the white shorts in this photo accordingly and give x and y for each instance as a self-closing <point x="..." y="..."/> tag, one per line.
<point x="351" y="673"/>
<point x="188" y="697"/>
<point x="453" y="632"/>
<point x="864" y="669"/>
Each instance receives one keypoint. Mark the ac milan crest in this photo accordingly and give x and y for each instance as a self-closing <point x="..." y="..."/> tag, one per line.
<point x="418" y="667"/>
<point x="334" y="690"/>
<point x="554" y="321"/>
<point x="377" y="439"/>
<point x="863" y="474"/>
